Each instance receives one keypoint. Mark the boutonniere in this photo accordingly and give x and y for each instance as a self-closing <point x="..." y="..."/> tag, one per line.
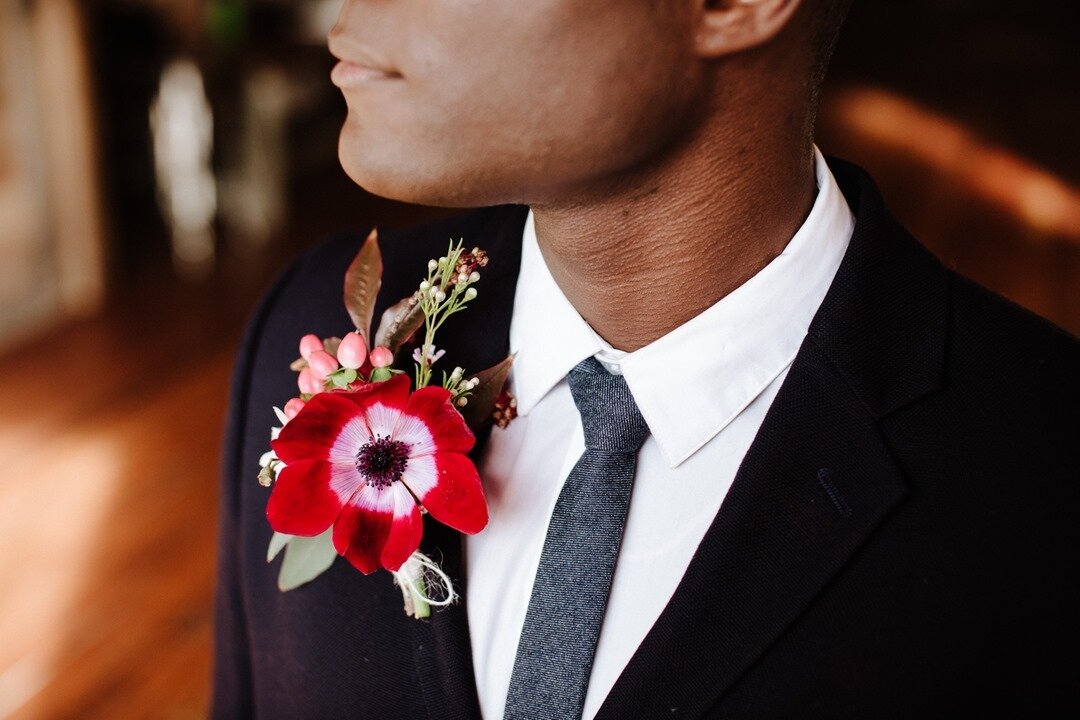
<point x="364" y="451"/>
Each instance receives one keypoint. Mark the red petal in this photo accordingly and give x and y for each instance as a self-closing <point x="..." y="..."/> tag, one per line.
<point x="405" y="535"/>
<point x="392" y="391"/>
<point x="378" y="527"/>
<point x="360" y="533"/>
<point x="447" y="429"/>
<point x="313" y="431"/>
<point x="384" y="402"/>
<point x="302" y="502"/>
<point x="457" y="499"/>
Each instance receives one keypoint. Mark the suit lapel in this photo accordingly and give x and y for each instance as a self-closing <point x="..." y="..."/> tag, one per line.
<point x="815" y="483"/>
<point x="476" y="339"/>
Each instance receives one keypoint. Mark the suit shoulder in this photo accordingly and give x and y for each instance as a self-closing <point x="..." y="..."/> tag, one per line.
<point x="1010" y="384"/>
<point x="1024" y="345"/>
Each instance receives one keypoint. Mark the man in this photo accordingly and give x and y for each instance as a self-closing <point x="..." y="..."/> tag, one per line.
<point x="854" y="485"/>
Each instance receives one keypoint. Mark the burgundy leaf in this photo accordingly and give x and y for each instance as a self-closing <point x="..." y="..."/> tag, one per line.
<point x="362" y="282"/>
<point x="482" y="400"/>
<point x="399" y="323"/>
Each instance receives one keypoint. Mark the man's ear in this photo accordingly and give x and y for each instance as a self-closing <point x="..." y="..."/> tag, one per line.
<point x="730" y="26"/>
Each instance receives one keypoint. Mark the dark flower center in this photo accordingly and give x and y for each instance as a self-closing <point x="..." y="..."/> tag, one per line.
<point x="382" y="461"/>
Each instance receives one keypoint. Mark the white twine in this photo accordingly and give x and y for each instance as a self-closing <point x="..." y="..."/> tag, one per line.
<point x="423" y="585"/>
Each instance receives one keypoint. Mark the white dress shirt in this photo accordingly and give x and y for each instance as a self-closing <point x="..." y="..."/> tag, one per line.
<point x="703" y="389"/>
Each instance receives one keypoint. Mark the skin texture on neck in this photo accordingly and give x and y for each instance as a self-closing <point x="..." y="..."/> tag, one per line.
<point x="651" y="249"/>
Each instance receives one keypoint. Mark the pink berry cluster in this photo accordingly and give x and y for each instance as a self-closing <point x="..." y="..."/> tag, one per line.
<point x="334" y="364"/>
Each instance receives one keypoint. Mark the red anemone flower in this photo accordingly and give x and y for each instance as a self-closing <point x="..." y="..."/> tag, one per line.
<point x="365" y="461"/>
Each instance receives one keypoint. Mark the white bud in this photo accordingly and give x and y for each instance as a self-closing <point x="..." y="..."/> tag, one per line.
<point x="474" y="382"/>
<point x="461" y="401"/>
<point x="456" y="375"/>
<point x="462" y="278"/>
<point x="433" y="290"/>
<point x="440" y="296"/>
<point x="442" y="260"/>
<point x="474" y="276"/>
<point x="470" y="293"/>
<point x="424" y="286"/>
<point x="432" y="265"/>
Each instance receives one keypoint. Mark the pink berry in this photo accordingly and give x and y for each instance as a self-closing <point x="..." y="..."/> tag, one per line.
<point x="308" y="383"/>
<point x="309" y="344"/>
<point x="381" y="356"/>
<point x="322" y="363"/>
<point x="293" y="406"/>
<point x="352" y="351"/>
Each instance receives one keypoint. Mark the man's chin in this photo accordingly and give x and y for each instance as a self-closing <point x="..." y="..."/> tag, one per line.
<point x="412" y="184"/>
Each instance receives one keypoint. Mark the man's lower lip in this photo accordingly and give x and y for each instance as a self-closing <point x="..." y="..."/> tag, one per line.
<point x="347" y="74"/>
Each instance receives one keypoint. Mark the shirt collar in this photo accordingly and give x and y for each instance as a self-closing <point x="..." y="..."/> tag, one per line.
<point x="693" y="381"/>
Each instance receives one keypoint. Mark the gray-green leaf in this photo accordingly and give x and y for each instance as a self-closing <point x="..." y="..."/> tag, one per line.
<point x="305" y="557"/>
<point x="279" y="541"/>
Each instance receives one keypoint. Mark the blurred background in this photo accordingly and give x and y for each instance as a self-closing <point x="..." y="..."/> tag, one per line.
<point x="161" y="160"/>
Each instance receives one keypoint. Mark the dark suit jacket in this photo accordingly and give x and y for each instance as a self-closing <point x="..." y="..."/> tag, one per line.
<point x="899" y="541"/>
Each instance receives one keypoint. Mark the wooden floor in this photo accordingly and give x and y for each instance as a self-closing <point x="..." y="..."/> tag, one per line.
<point x="110" y="436"/>
<point x="110" y="432"/>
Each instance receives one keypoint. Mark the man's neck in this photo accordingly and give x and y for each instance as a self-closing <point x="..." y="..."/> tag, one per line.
<point x="642" y="258"/>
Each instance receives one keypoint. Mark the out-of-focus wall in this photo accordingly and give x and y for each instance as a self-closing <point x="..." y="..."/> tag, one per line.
<point x="27" y="287"/>
<point x="965" y="112"/>
<point x="51" y="237"/>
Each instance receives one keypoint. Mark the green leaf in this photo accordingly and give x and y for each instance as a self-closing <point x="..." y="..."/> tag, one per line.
<point x="414" y="605"/>
<point x="399" y="323"/>
<point x="420" y="608"/>
<point x="277" y="542"/>
<point x="362" y="282"/>
<point x="482" y="400"/>
<point x="305" y="559"/>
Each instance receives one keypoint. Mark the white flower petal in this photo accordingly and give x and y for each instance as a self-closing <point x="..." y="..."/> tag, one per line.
<point x="345" y="481"/>
<point x="353" y="436"/>
<point x="381" y="419"/>
<point x="420" y="475"/>
<point x="413" y="431"/>
<point x="376" y="499"/>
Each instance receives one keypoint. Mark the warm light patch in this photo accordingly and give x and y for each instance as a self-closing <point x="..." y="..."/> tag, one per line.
<point x="69" y="503"/>
<point x="1033" y="195"/>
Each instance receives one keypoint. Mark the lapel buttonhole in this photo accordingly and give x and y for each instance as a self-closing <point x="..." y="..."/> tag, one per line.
<point x="824" y="477"/>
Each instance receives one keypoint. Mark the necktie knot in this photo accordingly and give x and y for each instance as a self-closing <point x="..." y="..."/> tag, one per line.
<point x="609" y="416"/>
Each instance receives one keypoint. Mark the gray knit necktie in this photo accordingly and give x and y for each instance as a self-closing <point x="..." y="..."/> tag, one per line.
<point x="555" y="653"/>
